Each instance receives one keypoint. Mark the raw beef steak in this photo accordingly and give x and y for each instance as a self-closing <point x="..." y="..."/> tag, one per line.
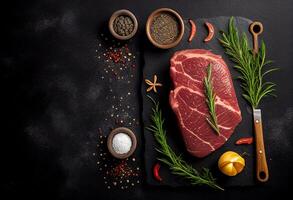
<point x="188" y="69"/>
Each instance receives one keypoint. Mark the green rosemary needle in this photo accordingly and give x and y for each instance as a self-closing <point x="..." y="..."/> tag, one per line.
<point x="177" y="165"/>
<point x="250" y="67"/>
<point x="210" y="100"/>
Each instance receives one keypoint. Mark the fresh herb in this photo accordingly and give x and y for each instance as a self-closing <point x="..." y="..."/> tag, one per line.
<point x="177" y="165"/>
<point x="249" y="66"/>
<point x="210" y="99"/>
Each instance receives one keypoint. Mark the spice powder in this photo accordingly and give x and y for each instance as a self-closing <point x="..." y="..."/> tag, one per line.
<point x="164" y="29"/>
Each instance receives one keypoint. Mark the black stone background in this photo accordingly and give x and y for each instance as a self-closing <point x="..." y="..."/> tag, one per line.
<point x="69" y="44"/>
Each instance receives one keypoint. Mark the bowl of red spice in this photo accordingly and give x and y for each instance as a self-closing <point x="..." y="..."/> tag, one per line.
<point x="123" y="24"/>
<point x="165" y="28"/>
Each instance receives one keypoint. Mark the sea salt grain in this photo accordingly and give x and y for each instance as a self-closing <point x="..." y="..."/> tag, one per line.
<point x="121" y="143"/>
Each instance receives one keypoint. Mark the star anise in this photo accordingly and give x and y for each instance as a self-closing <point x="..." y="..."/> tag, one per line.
<point x="153" y="85"/>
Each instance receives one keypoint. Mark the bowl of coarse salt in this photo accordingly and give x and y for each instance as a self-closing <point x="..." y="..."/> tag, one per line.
<point x="121" y="142"/>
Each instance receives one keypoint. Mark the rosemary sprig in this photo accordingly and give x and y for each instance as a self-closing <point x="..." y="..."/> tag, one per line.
<point x="249" y="66"/>
<point x="177" y="165"/>
<point x="210" y="100"/>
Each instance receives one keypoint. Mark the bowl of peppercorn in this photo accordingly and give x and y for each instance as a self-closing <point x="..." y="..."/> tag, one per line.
<point x="123" y="24"/>
<point x="165" y="28"/>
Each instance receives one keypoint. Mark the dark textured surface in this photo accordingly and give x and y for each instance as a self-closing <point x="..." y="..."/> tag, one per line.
<point x="44" y="39"/>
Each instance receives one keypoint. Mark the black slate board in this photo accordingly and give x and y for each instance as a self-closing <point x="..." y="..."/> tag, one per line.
<point x="157" y="62"/>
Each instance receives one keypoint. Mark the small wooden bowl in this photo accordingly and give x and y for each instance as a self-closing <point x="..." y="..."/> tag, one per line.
<point x="110" y="140"/>
<point x="124" y="13"/>
<point x="170" y="12"/>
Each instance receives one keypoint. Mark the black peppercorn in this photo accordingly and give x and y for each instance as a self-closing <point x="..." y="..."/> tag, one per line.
<point x="123" y="25"/>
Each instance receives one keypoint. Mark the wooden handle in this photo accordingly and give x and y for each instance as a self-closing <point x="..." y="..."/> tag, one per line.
<point x="255" y="44"/>
<point x="255" y="28"/>
<point x="261" y="162"/>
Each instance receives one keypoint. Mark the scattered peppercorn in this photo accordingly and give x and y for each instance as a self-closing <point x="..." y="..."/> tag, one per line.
<point x="116" y="67"/>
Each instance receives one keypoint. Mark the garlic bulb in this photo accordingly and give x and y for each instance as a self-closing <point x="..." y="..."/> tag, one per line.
<point x="231" y="163"/>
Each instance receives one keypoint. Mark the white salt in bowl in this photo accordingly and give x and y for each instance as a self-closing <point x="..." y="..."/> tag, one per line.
<point x="121" y="142"/>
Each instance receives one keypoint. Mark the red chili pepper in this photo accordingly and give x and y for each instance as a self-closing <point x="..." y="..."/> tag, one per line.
<point x="211" y="32"/>
<point x="248" y="140"/>
<point x="192" y="30"/>
<point x="156" y="171"/>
